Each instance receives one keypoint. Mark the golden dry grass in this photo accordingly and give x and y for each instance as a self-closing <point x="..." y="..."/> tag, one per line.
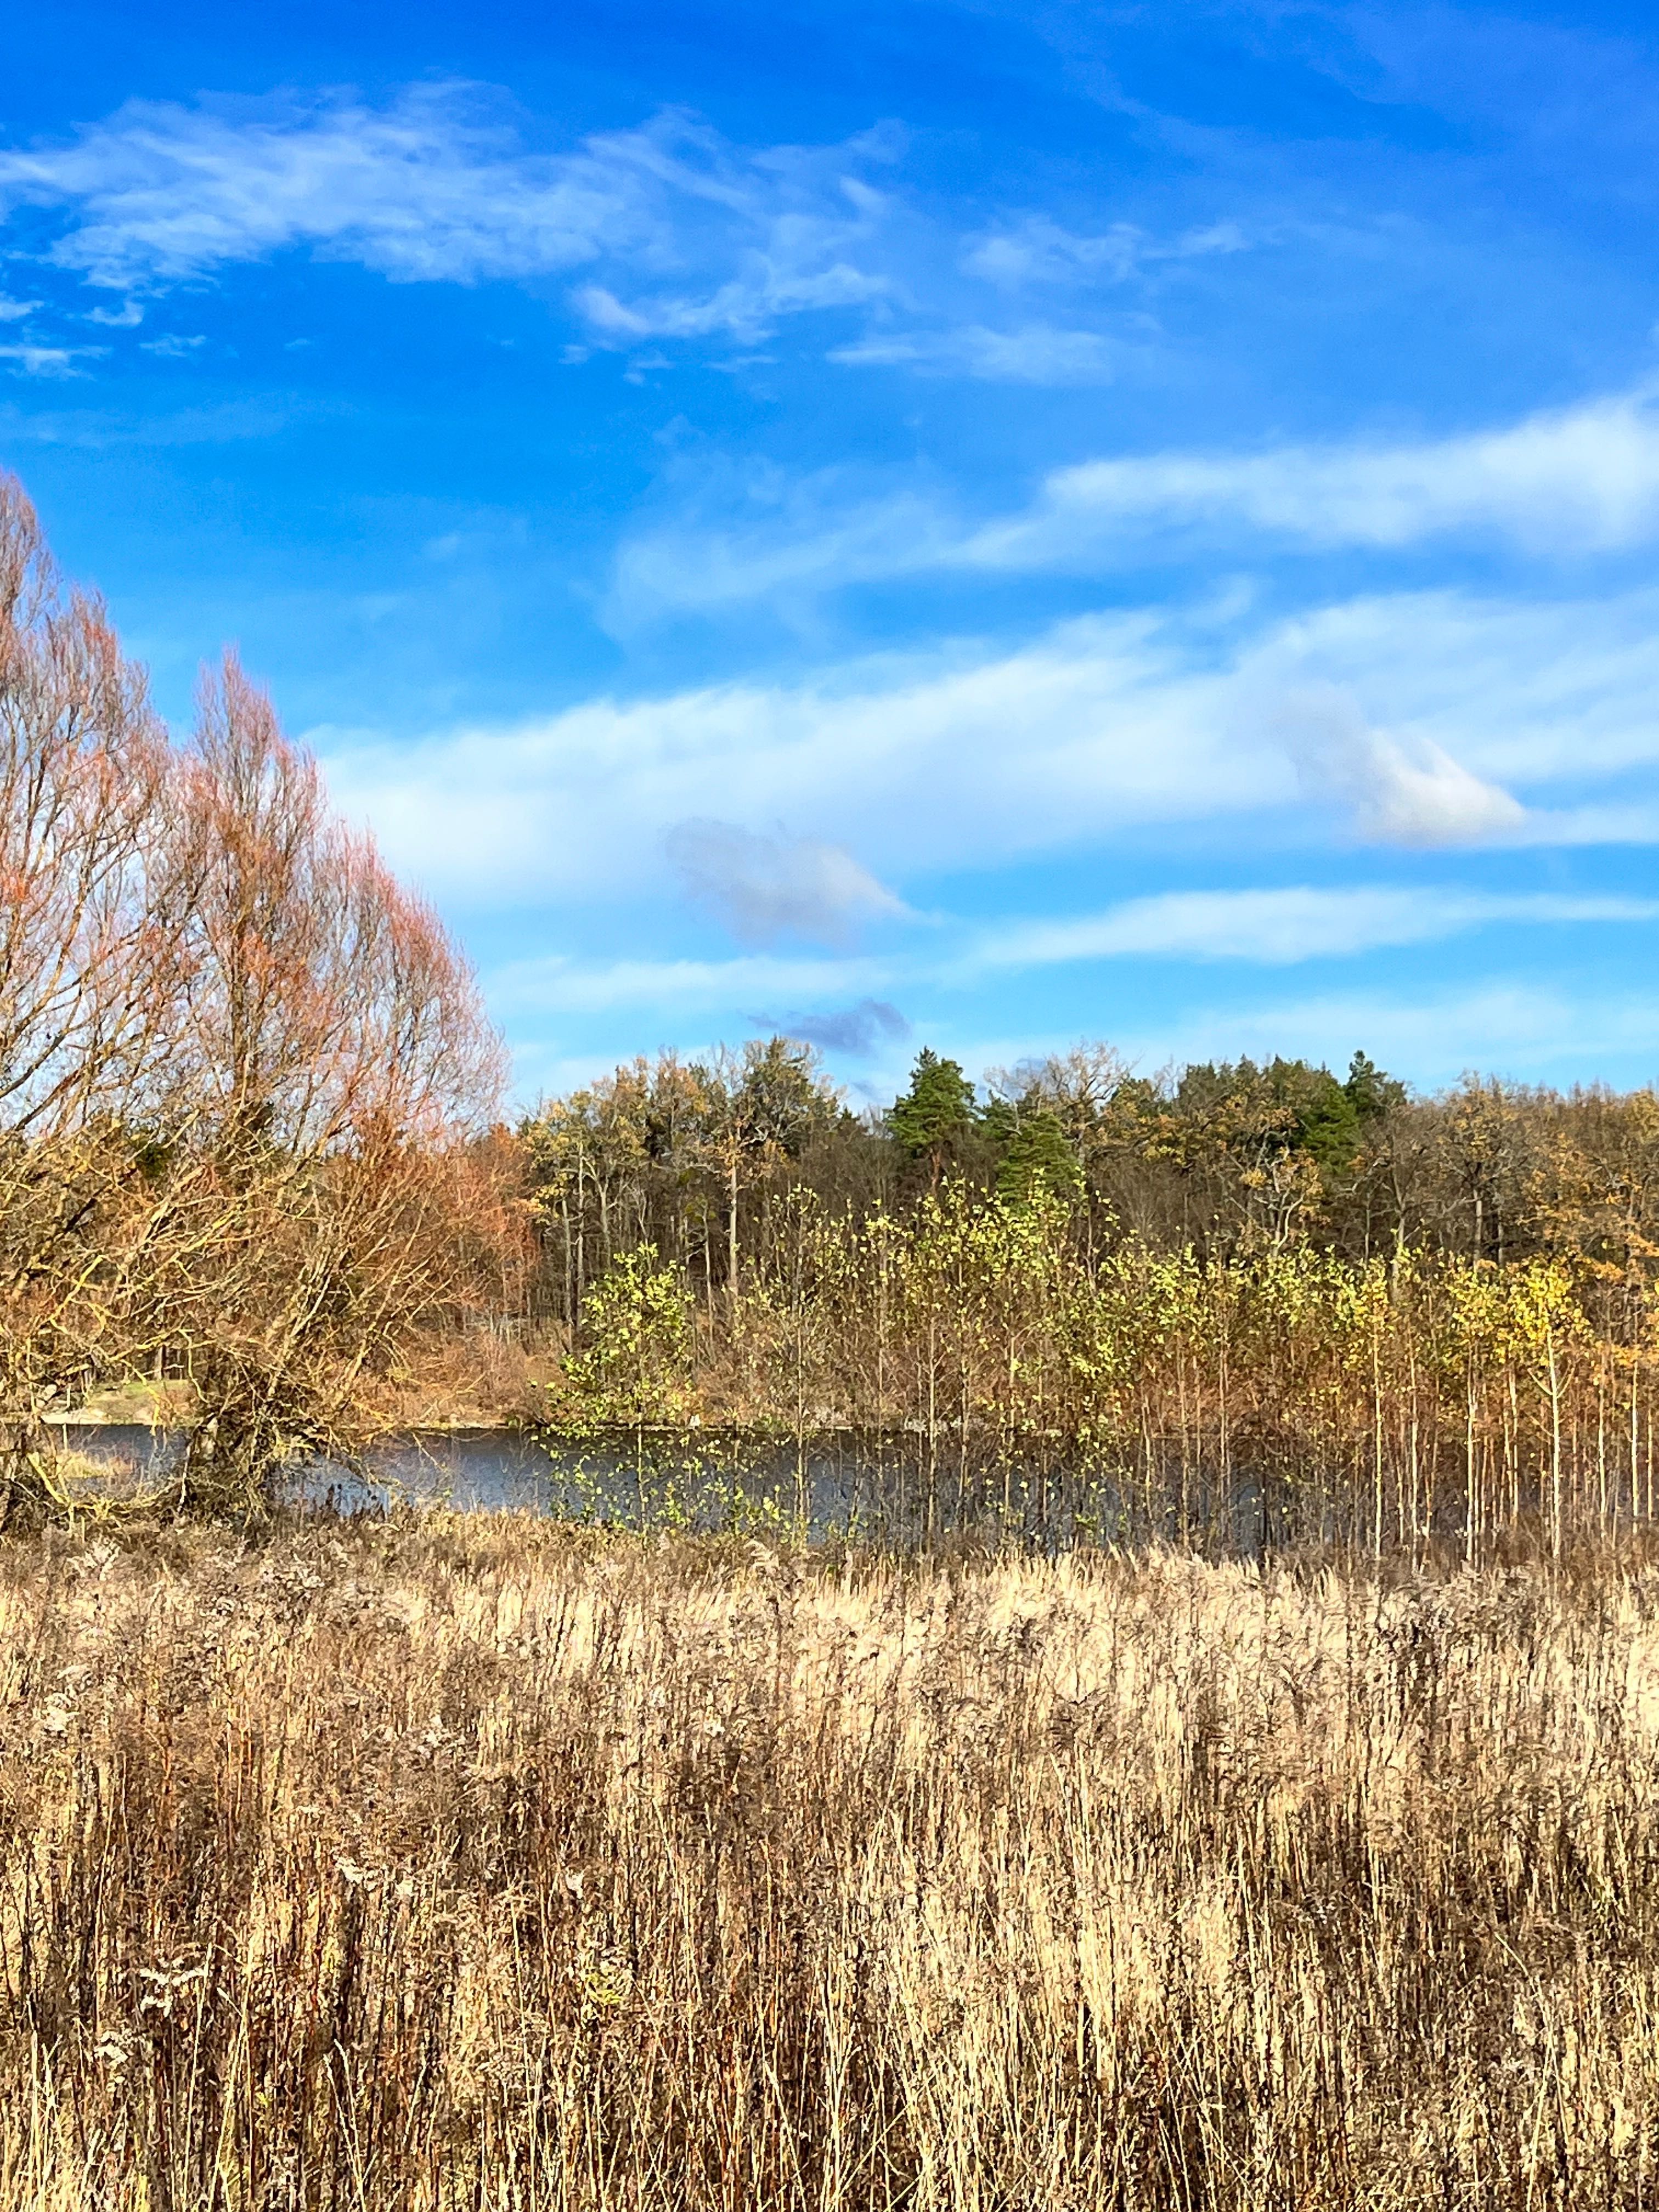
<point x="474" y="1863"/>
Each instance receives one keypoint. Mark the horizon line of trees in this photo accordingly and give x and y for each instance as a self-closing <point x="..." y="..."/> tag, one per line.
<point x="1396" y="1318"/>
<point x="1226" y="1159"/>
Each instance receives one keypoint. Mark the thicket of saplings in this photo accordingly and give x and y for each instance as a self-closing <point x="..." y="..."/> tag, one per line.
<point x="478" y="1861"/>
<point x="1239" y="1305"/>
<point x="244" y="1077"/>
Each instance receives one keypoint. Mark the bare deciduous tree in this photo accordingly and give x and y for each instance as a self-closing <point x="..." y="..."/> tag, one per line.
<point x="243" y="1072"/>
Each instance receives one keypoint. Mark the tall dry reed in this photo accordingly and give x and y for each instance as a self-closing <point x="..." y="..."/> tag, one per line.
<point x="478" y="1862"/>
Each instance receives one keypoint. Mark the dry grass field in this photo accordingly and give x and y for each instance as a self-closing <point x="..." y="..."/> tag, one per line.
<point x="478" y="1862"/>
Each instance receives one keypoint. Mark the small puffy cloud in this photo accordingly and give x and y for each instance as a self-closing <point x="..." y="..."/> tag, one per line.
<point x="763" y="888"/>
<point x="856" y="1031"/>
<point x="1398" y="791"/>
<point x="16" y="310"/>
<point x="1425" y="797"/>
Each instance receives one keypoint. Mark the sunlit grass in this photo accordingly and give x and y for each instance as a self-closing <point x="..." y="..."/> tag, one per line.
<point x="478" y="1862"/>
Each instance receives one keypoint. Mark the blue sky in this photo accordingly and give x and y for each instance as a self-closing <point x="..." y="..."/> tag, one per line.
<point x="977" y="524"/>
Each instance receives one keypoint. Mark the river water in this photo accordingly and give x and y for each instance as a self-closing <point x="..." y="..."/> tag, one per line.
<point x="826" y="1487"/>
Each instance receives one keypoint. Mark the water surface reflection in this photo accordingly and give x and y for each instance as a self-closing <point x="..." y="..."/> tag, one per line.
<point x="847" y="1486"/>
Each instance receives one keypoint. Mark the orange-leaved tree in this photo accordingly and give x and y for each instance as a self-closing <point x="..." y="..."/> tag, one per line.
<point x="245" y="1076"/>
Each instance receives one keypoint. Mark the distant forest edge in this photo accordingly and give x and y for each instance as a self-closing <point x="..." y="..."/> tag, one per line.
<point x="1393" y="1320"/>
<point x="255" y="1177"/>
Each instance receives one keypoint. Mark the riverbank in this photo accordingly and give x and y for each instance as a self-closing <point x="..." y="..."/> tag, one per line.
<point x="455" y="1860"/>
<point x="504" y="1392"/>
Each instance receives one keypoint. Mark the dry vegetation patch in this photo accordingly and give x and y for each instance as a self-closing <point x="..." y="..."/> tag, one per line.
<point x="478" y="1861"/>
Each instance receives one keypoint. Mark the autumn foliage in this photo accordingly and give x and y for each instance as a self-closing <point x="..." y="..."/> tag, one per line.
<point x="242" y="1070"/>
<point x="1233" y="1306"/>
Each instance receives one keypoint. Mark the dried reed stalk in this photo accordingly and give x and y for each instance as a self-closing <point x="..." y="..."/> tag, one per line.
<point x="476" y="1862"/>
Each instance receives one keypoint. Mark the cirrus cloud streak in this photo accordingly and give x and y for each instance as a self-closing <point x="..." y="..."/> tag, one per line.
<point x="1440" y="719"/>
<point x="1564" y="483"/>
<point x="1292" y="925"/>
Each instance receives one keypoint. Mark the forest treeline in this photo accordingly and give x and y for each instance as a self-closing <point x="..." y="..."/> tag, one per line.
<point x="1390" y="1318"/>
<point x="1225" y="1159"/>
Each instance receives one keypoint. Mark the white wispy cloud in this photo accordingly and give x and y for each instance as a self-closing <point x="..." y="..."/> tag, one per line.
<point x="559" y="985"/>
<point x="1283" y="927"/>
<point x="665" y="232"/>
<point x="99" y="429"/>
<point x="745" y="307"/>
<point x="786" y="540"/>
<point x="32" y="358"/>
<point x="1574" y="481"/>
<point x="1098" y="727"/>
<point x="1447" y="720"/>
<point x="1036" y="250"/>
<point x="162" y="192"/>
<point x="1583" y="478"/>
<point x="434" y="187"/>
<point x="1031" y="353"/>
<point x="1510" y="1026"/>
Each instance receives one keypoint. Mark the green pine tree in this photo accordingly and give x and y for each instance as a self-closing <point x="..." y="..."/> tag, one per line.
<point x="1038" y="1161"/>
<point x="936" y="1111"/>
<point x="1373" y="1093"/>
